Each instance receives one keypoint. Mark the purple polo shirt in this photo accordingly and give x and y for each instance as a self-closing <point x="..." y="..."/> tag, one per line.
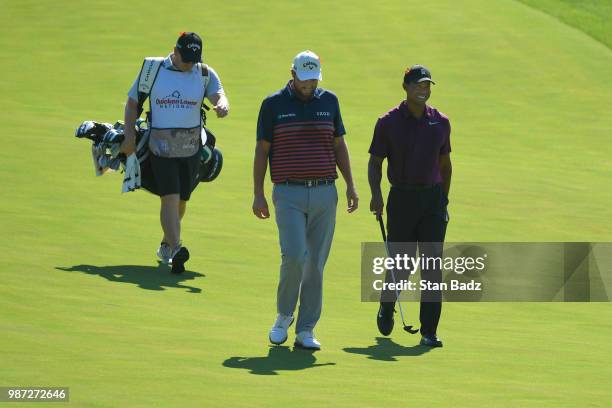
<point x="412" y="146"/>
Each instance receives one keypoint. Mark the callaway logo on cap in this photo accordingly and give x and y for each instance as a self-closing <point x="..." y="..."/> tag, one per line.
<point x="190" y="47"/>
<point x="307" y="65"/>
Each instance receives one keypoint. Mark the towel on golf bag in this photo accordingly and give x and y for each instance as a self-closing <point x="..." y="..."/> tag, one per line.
<point x="131" y="179"/>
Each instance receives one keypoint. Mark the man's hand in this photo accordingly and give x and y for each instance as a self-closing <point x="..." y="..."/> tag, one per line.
<point x="220" y="104"/>
<point x="260" y="207"/>
<point x="222" y="108"/>
<point x="352" y="199"/>
<point x="377" y="205"/>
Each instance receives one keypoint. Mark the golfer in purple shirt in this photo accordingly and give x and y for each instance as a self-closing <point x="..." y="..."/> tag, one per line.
<point x="415" y="139"/>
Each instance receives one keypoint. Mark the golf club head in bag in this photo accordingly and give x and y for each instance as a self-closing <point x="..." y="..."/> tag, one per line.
<point x="92" y="130"/>
<point x="106" y="143"/>
<point x="106" y="133"/>
<point x="211" y="164"/>
<point x="211" y="159"/>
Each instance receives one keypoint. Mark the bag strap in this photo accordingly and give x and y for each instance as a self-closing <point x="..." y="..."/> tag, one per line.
<point x="206" y="77"/>
<point x="146" y="79"/>
<point x="204" y="69"/>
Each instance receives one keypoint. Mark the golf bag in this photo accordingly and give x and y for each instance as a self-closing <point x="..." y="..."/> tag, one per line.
<point x="106" y="143"/>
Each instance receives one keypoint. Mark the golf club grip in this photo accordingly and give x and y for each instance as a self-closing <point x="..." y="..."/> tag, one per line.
<point x="382" y="227"/>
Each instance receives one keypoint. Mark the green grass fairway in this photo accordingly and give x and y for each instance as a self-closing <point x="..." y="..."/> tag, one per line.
<point x="590" y="16"/>
<point x="84" y="305"/>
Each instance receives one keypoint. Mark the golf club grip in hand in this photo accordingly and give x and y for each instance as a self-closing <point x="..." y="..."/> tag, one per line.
<point x="382" y="226"/>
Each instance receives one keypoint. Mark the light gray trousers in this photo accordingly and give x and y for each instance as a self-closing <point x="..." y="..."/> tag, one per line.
<point x="306" y="218"/>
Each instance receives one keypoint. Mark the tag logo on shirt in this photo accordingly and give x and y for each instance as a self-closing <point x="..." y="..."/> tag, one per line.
<point x="286" y="115"/>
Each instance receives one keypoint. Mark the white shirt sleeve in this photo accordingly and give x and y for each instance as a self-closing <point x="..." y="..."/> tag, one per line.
<point x="214" y="84"/>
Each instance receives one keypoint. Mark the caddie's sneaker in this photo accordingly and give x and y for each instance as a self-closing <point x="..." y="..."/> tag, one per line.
<point x="181" y="255"/>
<point x="384" y="318"/>
<point x="278" y="332"/>
<point x="431" y="341"/>
<point x="306" y="340"/>
<point x="164" y="253"/>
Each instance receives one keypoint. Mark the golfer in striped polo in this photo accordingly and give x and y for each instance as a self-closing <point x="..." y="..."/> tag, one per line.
<point x="300" y="132"/>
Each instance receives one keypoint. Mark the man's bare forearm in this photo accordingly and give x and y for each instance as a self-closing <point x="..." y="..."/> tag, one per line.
<point x="343" y="161"/>
<point x="260" y="166"/>
<point x="129" y="118"/>
<point x="375" y="176"/>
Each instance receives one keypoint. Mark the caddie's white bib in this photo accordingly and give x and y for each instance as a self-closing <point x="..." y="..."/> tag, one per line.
<point x="176" y="98"/>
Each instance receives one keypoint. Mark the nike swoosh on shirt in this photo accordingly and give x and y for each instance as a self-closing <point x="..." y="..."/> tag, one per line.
<point x="433" y="123"/>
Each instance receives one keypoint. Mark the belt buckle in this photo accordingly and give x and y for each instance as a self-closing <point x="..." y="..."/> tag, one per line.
<point x="309" y="183"/>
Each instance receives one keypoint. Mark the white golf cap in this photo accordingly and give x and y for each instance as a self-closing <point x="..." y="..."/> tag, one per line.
<point x="307" y="65"/>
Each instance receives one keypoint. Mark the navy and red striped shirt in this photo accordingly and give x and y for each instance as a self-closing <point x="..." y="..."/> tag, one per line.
<point x="301" y="133"/>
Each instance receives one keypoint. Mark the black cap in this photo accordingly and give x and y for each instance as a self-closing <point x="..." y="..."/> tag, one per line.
<point x="190" y="47"/>
<point x="417" y="73"/>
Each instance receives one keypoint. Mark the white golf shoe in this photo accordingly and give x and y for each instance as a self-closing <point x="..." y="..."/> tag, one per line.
<point x="306" y="340"/>
<point x="164" y="253"/>
<point x="278" y="332"/>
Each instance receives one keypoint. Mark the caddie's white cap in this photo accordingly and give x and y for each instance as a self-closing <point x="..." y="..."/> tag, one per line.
<point x="307" y="65"/>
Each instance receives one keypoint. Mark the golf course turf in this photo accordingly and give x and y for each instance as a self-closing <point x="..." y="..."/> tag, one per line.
<point x="84" y="304"/>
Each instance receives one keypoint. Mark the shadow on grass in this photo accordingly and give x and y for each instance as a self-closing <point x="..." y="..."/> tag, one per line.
<point x="386" y="350"/>
<point x="146" y="277"/>
<point x="279" y="358"/>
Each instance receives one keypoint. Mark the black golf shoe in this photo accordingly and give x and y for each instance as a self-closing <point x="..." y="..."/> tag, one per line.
<point x="179" y="259"/>
<point x="384" y="318"/>
<point x="431" y="341"/>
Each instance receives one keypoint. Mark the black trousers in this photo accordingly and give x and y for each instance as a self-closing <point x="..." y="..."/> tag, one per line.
<point x="417" y="218"/>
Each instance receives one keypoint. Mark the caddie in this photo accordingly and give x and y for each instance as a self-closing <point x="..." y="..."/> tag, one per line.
<point x="176" y="87"/>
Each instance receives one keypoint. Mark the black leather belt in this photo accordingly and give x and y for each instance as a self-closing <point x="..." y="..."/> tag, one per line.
<point x="308" y="183"/>
<point x="414" y="187"/>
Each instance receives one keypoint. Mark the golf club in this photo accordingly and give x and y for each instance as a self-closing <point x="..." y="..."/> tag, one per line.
<point x="407" y="328"/>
